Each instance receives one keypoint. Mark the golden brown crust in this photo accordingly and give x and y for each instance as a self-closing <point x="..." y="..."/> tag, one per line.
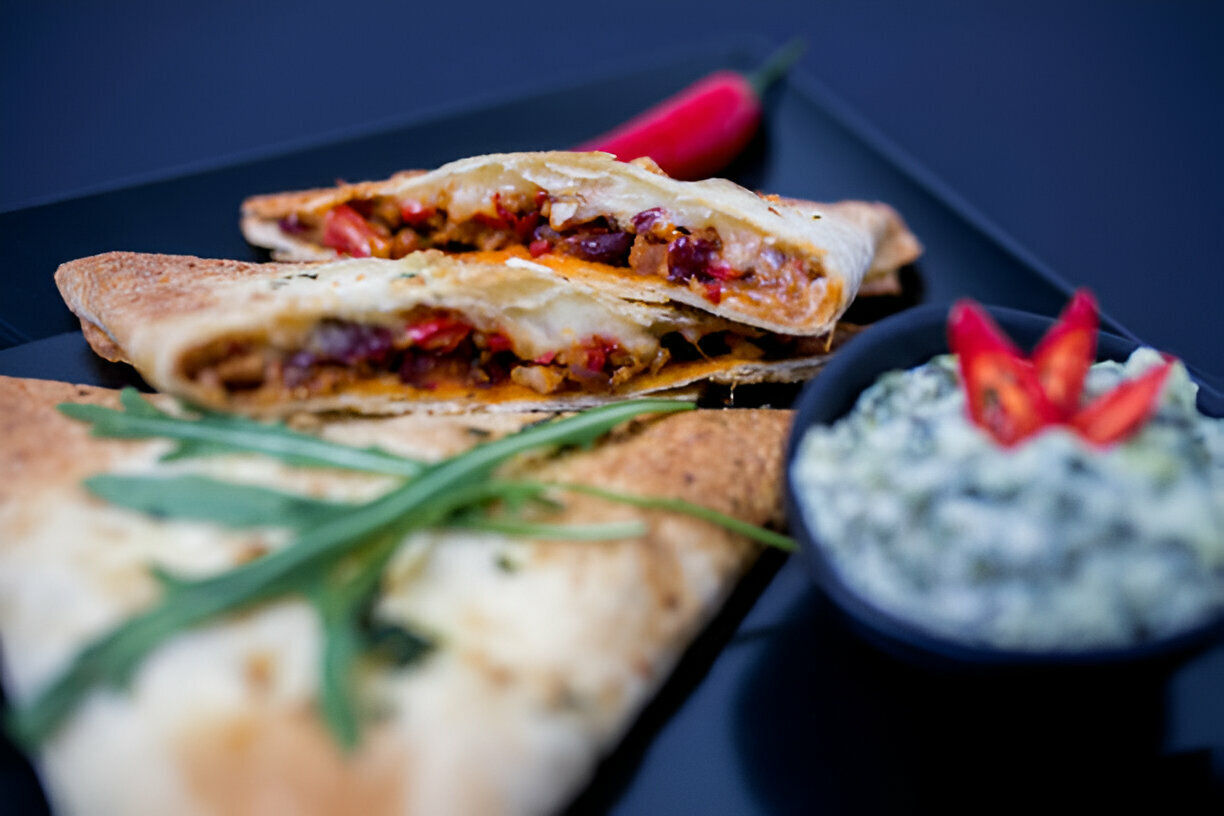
<point x="137" y="287"/>
<point x="286" y="762"/>
<point x="40" y="446"/>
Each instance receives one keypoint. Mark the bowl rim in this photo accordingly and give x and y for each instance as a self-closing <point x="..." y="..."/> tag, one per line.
<point x="834" y="392"/>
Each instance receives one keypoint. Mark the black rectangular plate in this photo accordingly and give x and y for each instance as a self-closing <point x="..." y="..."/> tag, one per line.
<point x="777" y="708"/>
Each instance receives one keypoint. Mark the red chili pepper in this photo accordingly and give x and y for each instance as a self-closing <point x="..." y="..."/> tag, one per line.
<point x="345" y="231"/>
<point x="1117" y="414"/>
<point x="972" y="330"/>
<point x="1002" y="392"/>
<point x="697" y="132"/>
<point x="1067" y="351"/>
<point x="1005" y="397"/>
<point x="1012" y="396"/>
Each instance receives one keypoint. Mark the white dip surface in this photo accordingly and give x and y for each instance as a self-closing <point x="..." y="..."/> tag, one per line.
<point x="1052" y="544"/>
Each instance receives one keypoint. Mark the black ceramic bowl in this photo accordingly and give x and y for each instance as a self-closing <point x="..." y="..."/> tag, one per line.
<point x="905" y="341"/>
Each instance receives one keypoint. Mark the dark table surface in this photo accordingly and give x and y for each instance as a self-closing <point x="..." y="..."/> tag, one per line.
<point x="1085" y="136"/>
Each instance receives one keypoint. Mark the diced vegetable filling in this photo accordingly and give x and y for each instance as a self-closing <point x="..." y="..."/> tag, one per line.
<point x="650" y="244"/>
<point x="432" y="348"/>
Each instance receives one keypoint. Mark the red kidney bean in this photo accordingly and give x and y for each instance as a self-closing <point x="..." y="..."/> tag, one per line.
<point x="689" y="257"/>
<point x="601" y="247"/>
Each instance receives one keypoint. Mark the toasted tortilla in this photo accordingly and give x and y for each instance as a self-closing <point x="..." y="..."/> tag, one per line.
<point x="430" y="332"/>
<point x="784" y="265"/>
<point x="546" y="650"/>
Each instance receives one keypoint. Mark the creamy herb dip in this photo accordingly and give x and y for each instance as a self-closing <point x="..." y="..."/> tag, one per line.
<point x="1053" y="544"/>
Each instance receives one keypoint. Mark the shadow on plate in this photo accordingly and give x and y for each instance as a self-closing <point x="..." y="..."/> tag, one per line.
<point x="827" y="723"/>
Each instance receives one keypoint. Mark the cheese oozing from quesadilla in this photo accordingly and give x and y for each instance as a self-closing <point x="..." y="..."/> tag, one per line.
<point x="428" y="331"/>
<point x="781" y="264"/>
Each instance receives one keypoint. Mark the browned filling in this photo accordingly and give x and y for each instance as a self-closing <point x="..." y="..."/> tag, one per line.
<point x="439" y="350"/>
<point x="650" y="244"/>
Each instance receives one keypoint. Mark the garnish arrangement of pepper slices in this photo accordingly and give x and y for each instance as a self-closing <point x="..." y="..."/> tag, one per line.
<point x="1013" y="396"/>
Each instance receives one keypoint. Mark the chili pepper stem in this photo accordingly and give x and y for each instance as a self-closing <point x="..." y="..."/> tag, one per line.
<point x="776" y="66"/>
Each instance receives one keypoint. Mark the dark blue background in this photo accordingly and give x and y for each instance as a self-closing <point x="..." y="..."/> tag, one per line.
<point x="1090" y="132"/>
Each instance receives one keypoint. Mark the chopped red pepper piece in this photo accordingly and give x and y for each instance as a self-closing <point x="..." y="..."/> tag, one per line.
<point x="497" y="342"/>
<point x="1067" y="351"/>
<point x="415" y="214"/>
<point x="345" y="231"/>
<point x="539" y="247"/>
<point x="1117" y="414"/>
<point x="441" y="333"/>
<point x="523" y="225"/>
<point x="596" y="352"/>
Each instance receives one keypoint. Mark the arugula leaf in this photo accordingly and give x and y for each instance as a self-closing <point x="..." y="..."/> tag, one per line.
<point x="340" y="597"/>
<point x="200" y="498"/>
<point x="213" y="433"/>
<point x="751" y="531"/>
<point x="559" y="532"/>
<point x="438" y="491"/>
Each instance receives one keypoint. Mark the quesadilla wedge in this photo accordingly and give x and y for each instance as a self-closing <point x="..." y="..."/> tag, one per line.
<point x="783" y="265"/>
<point x="544" y="651"/>
<point x="429" y="331"/>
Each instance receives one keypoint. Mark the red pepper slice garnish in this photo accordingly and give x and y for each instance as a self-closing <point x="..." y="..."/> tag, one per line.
<point x="345" y="231"/>
<point x="440" y="333"/>
<point x="1067" y="351"/>
<point x="1002" y="392"/>
<point x="1117" y="414"/>
<point x="971" y="330"/>
<point x="1012" y="396"/>
<point x="697" y="132"/>
<point x="1004" y="396"/>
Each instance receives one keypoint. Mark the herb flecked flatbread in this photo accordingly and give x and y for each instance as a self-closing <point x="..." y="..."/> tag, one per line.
<point x="544" y="651"/>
